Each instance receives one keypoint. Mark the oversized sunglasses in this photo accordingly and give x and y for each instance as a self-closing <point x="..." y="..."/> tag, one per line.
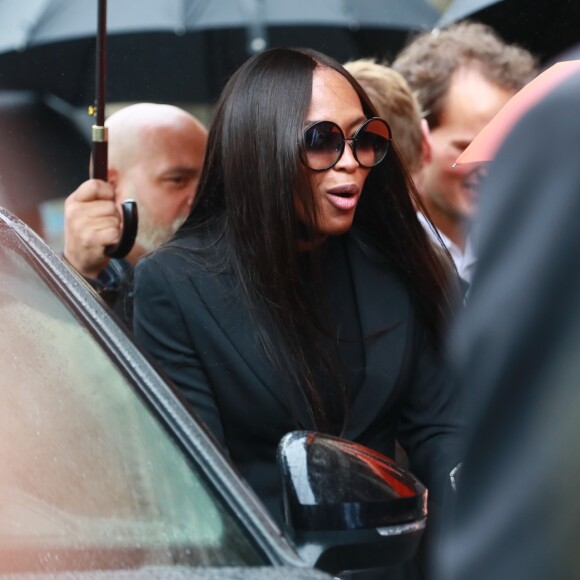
<point x="323" y="144"/>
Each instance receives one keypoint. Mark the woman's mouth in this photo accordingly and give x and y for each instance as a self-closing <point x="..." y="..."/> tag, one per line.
<point x="343" y="197"/>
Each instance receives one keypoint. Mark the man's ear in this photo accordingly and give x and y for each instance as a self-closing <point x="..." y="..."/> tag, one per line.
<point x="113" y="177"/>
<point x="427" y="154"/>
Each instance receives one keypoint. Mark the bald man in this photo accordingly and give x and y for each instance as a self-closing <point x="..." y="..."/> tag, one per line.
<point x="155" y="156"/>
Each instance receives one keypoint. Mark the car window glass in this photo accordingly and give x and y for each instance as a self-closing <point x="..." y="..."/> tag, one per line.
<point x="88" y="476"/>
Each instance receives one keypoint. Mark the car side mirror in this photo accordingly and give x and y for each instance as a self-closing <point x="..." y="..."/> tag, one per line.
<point x="346" y="506"/>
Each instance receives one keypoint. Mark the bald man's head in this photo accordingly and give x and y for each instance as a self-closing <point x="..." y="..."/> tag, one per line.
<point x="155" y="157"/>
<point x="134" y="126"/>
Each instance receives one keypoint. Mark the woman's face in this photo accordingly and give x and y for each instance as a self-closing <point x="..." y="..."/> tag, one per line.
<point x="338" y="189"/>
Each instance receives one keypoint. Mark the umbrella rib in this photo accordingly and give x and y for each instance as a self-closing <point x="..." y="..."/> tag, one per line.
<point x="191" y="12"/>
<point x="41" y="16"/>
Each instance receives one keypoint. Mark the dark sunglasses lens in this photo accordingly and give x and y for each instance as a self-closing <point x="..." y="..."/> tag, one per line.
<point x="323" y="143"/>
<point x="372" y="142"/>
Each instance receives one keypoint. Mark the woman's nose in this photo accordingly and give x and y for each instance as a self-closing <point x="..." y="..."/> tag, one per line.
<point x="347" y="160"/>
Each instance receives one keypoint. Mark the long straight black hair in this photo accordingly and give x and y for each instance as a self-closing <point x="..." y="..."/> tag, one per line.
<point x="247" y="194"/>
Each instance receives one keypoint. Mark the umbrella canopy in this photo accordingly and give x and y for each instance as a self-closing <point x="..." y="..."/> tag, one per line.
<point x="184" y="50"/>
<point x="460" y="9"/>
<point x="545" y="27"/>
<point x="488" y="140"/>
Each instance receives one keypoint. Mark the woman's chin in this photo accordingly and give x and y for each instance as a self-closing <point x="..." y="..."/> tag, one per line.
<point x="336" y="227"/>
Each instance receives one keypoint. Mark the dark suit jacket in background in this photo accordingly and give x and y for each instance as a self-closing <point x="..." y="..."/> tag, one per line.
<point x="195" y="324"/>
<point x="517" y="355"/>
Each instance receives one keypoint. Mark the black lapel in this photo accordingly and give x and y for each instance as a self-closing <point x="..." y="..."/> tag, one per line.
<point x="237" y="324"/>
<point x="384" y="311"/>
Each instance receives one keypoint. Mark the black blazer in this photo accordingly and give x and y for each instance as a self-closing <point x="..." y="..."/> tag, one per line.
<point x="194" y="323"/>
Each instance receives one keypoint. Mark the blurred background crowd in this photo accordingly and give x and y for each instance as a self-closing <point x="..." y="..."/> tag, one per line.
<point x="182" y="53"/>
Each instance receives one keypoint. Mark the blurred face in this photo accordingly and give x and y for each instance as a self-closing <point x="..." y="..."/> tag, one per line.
<point x="164" y="179"/>
<point x="338" y="189"/>
<point x="472" y="102"/>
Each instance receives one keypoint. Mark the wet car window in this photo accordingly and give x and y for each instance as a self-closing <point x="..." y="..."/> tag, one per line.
<point x="89" y="479"/>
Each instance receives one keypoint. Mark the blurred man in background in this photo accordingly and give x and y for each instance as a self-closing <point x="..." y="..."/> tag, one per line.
<point x="462" y="76"/>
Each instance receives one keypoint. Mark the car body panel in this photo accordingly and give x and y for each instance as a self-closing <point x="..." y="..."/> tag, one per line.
<point x="99" y="497"/>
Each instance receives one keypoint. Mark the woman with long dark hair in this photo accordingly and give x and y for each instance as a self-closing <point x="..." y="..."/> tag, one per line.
<point x="302" y="292"/>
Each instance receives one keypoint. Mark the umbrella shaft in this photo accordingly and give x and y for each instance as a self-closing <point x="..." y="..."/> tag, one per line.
<point x="101" y="64"/>
<point x="100" y="160"/>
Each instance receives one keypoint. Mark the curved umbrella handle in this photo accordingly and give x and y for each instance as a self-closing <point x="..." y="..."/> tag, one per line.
<point x="130" y="223"/>
<point x="128" y="208"/>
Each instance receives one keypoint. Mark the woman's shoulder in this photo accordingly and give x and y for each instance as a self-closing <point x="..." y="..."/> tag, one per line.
<point x="192" y="251"/>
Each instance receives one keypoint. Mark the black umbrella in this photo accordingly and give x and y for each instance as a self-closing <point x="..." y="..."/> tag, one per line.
<point x="184" y="50"/>
<point x="545" y="27"/>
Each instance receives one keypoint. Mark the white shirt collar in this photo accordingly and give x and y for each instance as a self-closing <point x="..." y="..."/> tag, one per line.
<point x="464" y="261"/>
